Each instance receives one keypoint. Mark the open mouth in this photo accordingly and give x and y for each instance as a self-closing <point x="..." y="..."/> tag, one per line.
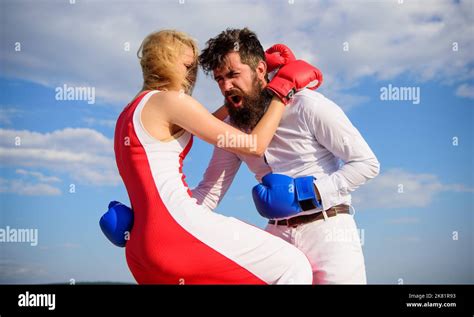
<point x="235" y="100"/>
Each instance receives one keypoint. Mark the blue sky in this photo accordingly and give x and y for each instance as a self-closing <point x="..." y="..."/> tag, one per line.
<point x="409" y="237"/>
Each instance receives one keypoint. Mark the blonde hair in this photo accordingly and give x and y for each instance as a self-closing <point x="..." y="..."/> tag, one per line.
<point x="158" y="56"/>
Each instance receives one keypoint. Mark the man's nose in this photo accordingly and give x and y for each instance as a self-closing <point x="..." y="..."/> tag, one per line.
<point x="227" y="85"/>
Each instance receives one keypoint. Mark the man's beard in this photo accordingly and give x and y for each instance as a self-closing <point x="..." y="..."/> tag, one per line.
<point x="254" y="105"/>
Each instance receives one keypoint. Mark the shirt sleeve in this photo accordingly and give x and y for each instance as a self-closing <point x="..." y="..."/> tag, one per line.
<point x="219" y="174"/>
<point x="333" y="130"/>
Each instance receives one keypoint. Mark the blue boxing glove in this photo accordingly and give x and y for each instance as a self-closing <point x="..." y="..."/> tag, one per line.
<point x="281" y="196"/>
<point x="117" y="223"/>
<point x="275" y="196"/>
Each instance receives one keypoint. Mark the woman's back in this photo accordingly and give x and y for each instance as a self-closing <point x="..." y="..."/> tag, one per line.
<point x="152" y="173"/>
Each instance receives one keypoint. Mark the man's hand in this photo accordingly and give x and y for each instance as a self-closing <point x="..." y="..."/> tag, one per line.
<point x="281" y="196"/>
<point x="293" y="77"/>
<point x="277" y="56"/>
<point x="275" y="197"/>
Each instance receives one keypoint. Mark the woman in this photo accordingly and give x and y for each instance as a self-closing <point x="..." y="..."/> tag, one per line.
<point x="174" y="240"/>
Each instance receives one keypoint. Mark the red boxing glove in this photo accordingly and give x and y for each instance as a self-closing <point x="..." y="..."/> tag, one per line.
<point x="293" y="77"/>
<point x="277" y="56"/>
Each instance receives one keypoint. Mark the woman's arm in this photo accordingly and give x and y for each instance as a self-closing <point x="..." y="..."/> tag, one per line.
<point x="186" y="112"/>
<point x="221" y="113"/>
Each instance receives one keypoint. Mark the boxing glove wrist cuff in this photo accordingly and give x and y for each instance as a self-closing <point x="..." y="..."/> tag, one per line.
<point x="306" y="194"/>
<point x="284" y="94"/>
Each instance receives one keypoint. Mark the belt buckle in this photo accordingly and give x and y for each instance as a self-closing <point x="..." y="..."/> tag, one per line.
<point x="327" y="213"/>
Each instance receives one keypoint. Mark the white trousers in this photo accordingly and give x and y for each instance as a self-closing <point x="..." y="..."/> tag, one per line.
<point x="333" y="247"/>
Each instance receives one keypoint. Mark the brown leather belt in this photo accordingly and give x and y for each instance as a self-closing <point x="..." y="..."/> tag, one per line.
<point x="299" y="220"/>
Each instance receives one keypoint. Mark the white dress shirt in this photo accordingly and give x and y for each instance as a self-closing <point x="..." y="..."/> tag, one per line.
<point x="314" y="138"/>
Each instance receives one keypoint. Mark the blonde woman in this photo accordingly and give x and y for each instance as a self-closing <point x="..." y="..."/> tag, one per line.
<point x="174" y="240"/>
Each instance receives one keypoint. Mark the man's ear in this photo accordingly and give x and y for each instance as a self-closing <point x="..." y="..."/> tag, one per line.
<point x="261" y="70"/>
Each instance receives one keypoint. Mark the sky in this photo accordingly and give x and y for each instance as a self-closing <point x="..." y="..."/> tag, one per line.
<point x="57" y="166"/>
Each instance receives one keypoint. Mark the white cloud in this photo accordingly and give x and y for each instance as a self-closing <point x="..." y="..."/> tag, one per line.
<point x="84" y="154"/>
<point x="66" y="245"/>
<point x="31" y="183"/>
<point x="397" y="188"/>
<point x="459" y="188"/>
<point x="466" y="91"/>
<point x="20" y="272"/>
<point x="99" y="122"/>
<point x="39" y="176"/>
<point x="7" y="114"/>
<point x="23" y="188"/>
<point x="386" y="39"/>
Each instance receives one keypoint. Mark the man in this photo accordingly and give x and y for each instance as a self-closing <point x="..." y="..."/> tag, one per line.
<point x="313" y="135"/>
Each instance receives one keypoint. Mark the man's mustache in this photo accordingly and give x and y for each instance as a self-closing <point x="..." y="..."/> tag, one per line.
<point x="233" y="92"/>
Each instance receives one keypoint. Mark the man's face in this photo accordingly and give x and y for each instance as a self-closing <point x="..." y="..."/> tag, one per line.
<point x="242" y="88"/>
